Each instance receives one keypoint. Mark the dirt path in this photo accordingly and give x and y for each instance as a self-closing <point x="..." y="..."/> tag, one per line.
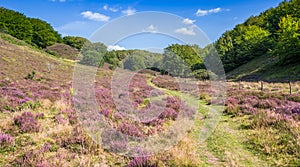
<point x="226" y="145"/>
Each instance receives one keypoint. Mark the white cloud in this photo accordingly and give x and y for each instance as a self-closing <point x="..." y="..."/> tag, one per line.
<point x="112" y="9"/>
<point x="95" y="16"/>
<point x="129" y="11"/>
<point x="188" y="21"/>
<point x="115" y="47"/>
<point x="201" y="12"/>
<point x="105" y="7"/>
<point x="186" y="30"/>
<point x="151" y="28"/>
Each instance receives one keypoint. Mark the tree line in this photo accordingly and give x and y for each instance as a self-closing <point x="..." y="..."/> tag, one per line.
<point x="34" y="31"/>
<point x="274" y="32"/>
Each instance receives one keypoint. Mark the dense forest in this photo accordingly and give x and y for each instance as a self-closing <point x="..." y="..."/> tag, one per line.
<point x="274" y="32"/>
<point x="34" y="31"/>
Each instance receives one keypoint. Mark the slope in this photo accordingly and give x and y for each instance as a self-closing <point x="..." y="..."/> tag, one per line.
<point x="265" y="68"/>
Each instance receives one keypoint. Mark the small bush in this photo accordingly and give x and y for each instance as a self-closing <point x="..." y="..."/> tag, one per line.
<point x="30" y="75"/>
<point x="27" y="123"/>
<point x="5" y="139"/>
<point x="141" y="162"/>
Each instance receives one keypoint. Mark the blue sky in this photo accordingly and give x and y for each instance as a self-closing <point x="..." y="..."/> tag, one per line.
<point x="83" y="17"/>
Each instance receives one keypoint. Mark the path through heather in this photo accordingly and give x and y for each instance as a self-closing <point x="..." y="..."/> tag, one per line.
<point x="225" y="147"/>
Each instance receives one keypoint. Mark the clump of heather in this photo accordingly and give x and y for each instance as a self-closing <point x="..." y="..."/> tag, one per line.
<point x="165" y="81"/>
<point x="27" y="93"/>
<point x="139" y="89"/>
<point x="104" y="98"/>
<point x="173" y="102"/>
<point x="6" y="139"/>
<point x="59" y="118"/>
<point x="40" y="116"/>
<point x="27" y="122"/>
<point x="141" y="162"/>
<point x="71" y="114"/>
<point x="131" y="129"/>
<point x="249" y="102"/>
<point x="38" y="157"/>
<point x="76" y="140"/>
<point x="140" y="158"/>
<point x="105" y="112"/>
<point x="168" y="113"/>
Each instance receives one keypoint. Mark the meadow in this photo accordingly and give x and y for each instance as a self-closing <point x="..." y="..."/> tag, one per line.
<point x="39" y="125"/>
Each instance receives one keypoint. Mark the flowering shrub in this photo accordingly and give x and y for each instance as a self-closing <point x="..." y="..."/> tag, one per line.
<point x="6" y="139"/>
<point x="141" y="162"/>
<point x="27" y="122"/>
<point x="249" y="102"/>
<point x="168" y="113"/>
<point x="36" y="157"/>
<point x="27" y="93"/>
<point x="130" y="129"/>
<point x="71" y="115"/>
<point x="165" y="81"/>
<point x="139" y="89"/>
<point x="105" y="112"/>
<point x="59" y="118"/>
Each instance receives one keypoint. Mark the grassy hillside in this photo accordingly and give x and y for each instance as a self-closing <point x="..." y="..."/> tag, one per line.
<point x="39" y="126"/>
<point x="265" y="68"/>
<point x="63" y="51"/>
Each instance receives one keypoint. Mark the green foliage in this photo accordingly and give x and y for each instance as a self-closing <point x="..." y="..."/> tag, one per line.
<point x="181" y="60"/>
<point x="288" y="45"/>
<point x="44" y="35"/>
<point x="275" y="31"/>
<point x="16" y="24"/>
<point x="93" y="54"/>
<point x="30" y="76"/>
<point x="242" y="44"/>
<point x="30" y="30"/>
<point x="189" y="54"/>
<point x="134" y="62"/>
<point x="132" y="59"/>
<point x="92" y="58"/>
<point x="75" y="42"/>
<point x="174" y="64"/>
<point x="204" y="74"/>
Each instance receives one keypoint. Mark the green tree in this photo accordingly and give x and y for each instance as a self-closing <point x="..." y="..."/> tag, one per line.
<point x="75" y="42"/>
<point x="242" y="44"/>
<point x="32" y="31"/>
<point x="93" y="54"/>
<point x="288" y="45"/>
<point x="16" y="24"/>
<point x="92" y="58"/>
<point x="134" y="62"/>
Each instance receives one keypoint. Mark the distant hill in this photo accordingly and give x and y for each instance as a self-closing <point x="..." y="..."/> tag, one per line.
<point x="63" y="51"/>
<point x="264" y="47"/>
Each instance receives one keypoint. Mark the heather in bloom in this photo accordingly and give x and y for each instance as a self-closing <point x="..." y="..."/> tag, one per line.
<point x="27" y="122"/>
<point x="6" y="139"/>
<point x="141" y="162"/>
<point x="130" y="129"/>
